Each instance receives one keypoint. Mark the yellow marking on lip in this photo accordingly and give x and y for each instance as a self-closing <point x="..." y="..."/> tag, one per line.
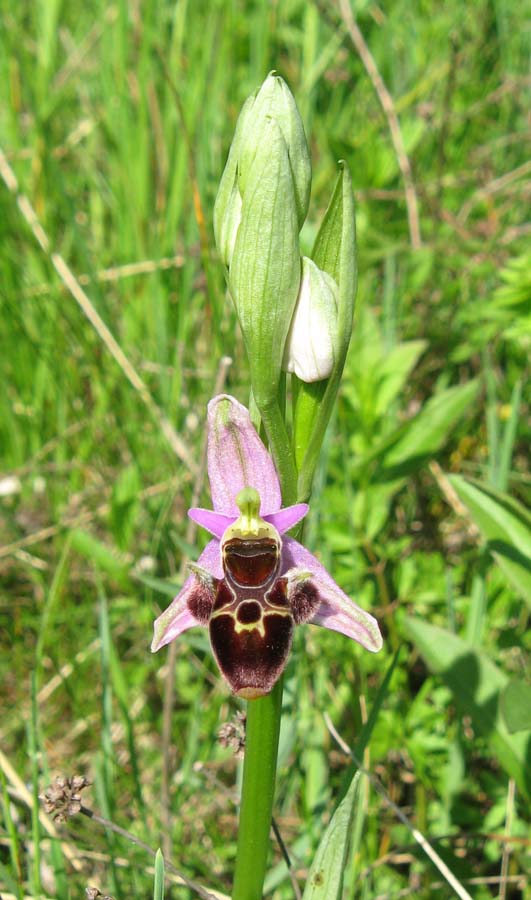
<point x="241" y="626"/>
<point x="277" y="611"/>
<point x="251" y="626"/>
<point x="273" y="608"/>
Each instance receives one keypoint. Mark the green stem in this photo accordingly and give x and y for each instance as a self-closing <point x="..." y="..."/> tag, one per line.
<point x="259" y="770"/>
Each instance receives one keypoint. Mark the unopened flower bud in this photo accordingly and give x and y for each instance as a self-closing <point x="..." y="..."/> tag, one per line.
<point x="334" y="253"/>
<point x="311" y="345"/>
<point x="275" y="101"/>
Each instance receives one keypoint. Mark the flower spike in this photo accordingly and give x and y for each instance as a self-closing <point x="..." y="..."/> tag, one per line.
<point x="253" y="584"/>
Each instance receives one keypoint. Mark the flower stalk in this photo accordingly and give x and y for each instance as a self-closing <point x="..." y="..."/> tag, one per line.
<point x="258" y="788"/>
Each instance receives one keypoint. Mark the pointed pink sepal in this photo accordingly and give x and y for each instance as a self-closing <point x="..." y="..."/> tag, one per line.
<point x="211" y="521"/>
<point x="177" y="617"/>
<point x="237" y="459"/>
<point x="286" y="518"/>
<point x="337" y="611"/>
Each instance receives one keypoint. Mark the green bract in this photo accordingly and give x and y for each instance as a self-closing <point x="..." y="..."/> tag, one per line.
<point x="335" y="253"/>
<point x="228" y="205"/>
<point x="275" y="101"/>
<point x="264" y="274"/>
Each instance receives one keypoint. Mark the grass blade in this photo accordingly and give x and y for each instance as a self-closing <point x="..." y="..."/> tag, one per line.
<point x="158" y="889"/>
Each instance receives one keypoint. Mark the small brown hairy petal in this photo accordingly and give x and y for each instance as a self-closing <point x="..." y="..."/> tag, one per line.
<point x="304" y="600"/>
<point x="201" y="600"/>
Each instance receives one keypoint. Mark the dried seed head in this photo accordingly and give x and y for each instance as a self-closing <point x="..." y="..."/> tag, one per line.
<point x="94" y="894"/>
<point x="63" y="798"/>
<point x="232" y="734"/>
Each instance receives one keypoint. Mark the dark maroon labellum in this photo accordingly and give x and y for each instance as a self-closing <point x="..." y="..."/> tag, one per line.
<point x="251" y="625"/>
<point x="251" y="613"/>
<point x="251" y="637"/>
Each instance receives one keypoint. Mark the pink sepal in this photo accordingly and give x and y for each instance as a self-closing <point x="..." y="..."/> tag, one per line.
<point x="286" y="518"/>
<point x="177" y="617"/>
<point x="337" y="611"/>
<point x="211" y="521"/>
<point x="237" y="459"/>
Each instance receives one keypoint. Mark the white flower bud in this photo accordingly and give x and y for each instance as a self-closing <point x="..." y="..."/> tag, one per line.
<point x="312" y="339"/>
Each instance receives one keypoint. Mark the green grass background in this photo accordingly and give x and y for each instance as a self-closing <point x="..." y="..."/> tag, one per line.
<point x="93" y="513"/>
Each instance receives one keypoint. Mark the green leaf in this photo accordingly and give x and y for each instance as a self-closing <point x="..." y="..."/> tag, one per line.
<point x="394" y="370"/>
<point x="476" y="684"/>
<point x="505" y="526"/>
<point x="424" y="435"/>
<point x="516" y="706"/>
<point x="158" y="889"/>
<point x="168" y="588"/>
<point x="325" y="879"/>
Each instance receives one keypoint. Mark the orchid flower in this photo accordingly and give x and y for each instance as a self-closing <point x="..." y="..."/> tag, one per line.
<point x="253" y="583"/>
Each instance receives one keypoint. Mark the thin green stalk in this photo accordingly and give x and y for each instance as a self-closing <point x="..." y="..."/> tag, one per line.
<point x="259" y="771"/>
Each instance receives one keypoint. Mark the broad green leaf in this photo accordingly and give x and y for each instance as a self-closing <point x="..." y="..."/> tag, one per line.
<point x="476" y="684"/>
<point x="430" y="429"/>
<point x="505" y="526"/>
<point x="325" y="879"/>
<point x="394" y="370"/>
<point x="516" y="706"/>
<point x="370" y="508"/>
